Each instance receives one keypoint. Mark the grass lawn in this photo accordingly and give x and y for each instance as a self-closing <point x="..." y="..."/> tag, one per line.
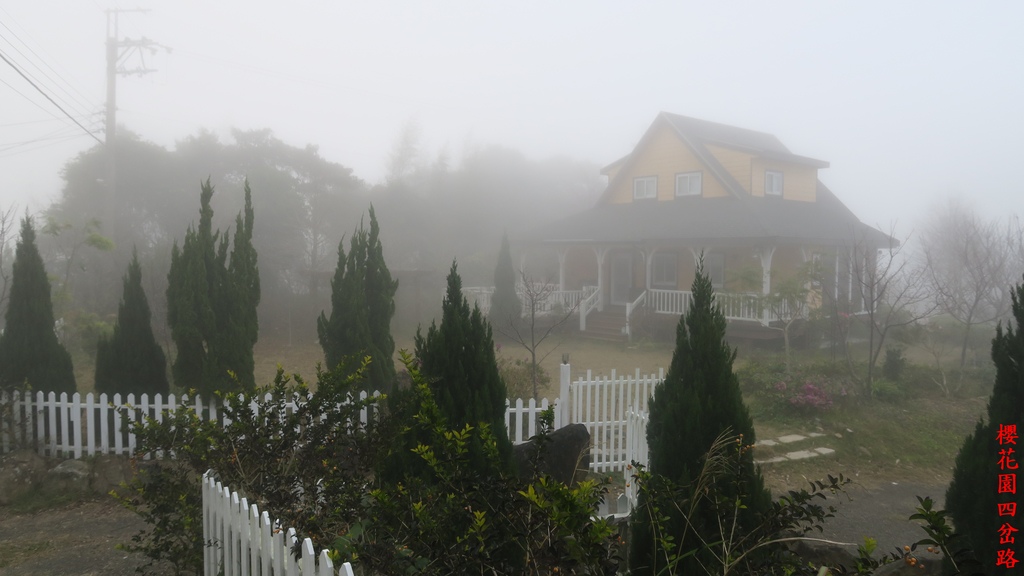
<point x="914" y="438"/>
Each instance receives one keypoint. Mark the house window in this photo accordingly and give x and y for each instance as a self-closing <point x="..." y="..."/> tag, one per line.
<point x="688" y="184"/>
<point x="664" y="273"/>
<point x="645" y="187"/>
<point x="772" y="183"/>
<point x="714" y="265"/>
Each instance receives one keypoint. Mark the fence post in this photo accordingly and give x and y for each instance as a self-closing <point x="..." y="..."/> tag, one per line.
<point x="563" y="392"/>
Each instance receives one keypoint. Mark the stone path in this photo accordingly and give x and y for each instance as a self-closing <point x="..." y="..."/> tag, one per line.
<point x="778" y="449"/>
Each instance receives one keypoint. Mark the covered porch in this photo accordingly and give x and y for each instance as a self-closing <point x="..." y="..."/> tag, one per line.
<point x="609" y="287"/>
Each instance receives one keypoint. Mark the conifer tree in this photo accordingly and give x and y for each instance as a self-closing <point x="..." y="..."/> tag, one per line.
<point x="211" y="304"/>
<point x="506" y="309"/>
<point x="698" y="400"/>
<point x="458" y="356"/>
<point x="29" y="349"/>
<point x="991" y="451"/>
<point x="362" y="305"/>
<point x="131" y="360"/>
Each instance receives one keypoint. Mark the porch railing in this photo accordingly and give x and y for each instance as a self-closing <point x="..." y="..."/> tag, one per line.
<point x="630" y="307"/>
<point x="554" y="301"/>
<point x="589" y="303"/>
<point x="734" y="306"/>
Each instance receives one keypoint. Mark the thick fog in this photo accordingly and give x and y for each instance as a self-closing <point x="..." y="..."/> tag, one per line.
<point x="906" y="101"/>
<point x="463" y="121"/>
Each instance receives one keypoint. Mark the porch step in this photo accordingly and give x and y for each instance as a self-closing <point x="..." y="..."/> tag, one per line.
<point x="606" y="325"/>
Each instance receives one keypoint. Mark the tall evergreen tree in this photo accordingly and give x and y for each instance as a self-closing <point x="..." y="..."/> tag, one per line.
<point x="698" y="400"/>
<point x="974" y="492"/>
<point x="458" y="356"/>
<point x="506" y="309"/>
<point x="29" y="349"/>
<point x="211" y="304"/>
<point x="362" y="305"/>
<point x="131" y="360"/>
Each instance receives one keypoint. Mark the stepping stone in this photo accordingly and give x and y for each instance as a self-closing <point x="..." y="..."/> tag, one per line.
<point x="771" y="460"/>
<point x="791" y="438"/>
<point x="765" y="443"/>
<point x="801" y="454"/>
<point x="824" y="451"/>
<point x="815" y="434"/>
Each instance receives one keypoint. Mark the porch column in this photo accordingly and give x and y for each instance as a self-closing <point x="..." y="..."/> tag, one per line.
<point x="561" y="269"/>
<point x="766" y="276"/>
<point x="649" y="263"/>
<point x="835" y="286"/>
<point x="600" y="253"/>
<point x="766" y="269"/>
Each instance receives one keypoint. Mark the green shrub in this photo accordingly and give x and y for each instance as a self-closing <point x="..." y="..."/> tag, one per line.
<point x="894" y="363"/>
<point x="887" y="390"/>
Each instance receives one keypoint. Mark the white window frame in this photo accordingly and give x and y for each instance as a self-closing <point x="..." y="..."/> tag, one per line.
<point x="689" y="183"/>
<point x="714" y="265"/>
<point x="664" y="262"/>
<point x="645" y="187"/>
<point x="771" y="177"/>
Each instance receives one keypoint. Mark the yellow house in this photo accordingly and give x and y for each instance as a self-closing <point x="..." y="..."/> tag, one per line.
<point x="756" y="211"/>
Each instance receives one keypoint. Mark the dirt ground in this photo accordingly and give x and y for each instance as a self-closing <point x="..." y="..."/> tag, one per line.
<point x="81" y="538"/>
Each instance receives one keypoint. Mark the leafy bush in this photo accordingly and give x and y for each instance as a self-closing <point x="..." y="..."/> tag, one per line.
<point x="894" y="363"/>
<point x="887" y="390"/>
<point x="307" y="460"/>
<point x="810" y="389"/>
<point x="302" y="456"/>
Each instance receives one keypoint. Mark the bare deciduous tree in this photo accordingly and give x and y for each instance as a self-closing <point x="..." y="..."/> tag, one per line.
<point x="539" y="302"/>
<point x="968" y="266"/>
<point x="7" y="222"/>
<point x="894" y="296"/>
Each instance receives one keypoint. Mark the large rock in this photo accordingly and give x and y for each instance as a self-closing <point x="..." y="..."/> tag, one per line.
<point x="19" y="471"/>
<point x="824" y="554"/>
<point x="70" y="476"/>
<point x="565" y="456"/>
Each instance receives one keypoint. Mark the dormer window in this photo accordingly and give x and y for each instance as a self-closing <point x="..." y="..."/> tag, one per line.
<point x="772" y="183"/>
<point x="688" y="184"/>
<point x="645" y="187"/>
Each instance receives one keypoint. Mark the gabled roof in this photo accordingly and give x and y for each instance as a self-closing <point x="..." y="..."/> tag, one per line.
<point x="727" y="221"/>
<point x="697" y="134"/>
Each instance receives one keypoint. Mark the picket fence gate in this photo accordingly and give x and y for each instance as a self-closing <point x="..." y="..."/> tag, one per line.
<point x="602" y="403"/>
<point x="242" y="541"/>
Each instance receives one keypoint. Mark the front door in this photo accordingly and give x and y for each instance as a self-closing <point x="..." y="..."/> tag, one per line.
<point x="621" y="279"/>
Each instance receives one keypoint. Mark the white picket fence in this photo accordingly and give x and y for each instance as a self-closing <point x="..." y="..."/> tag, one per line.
<point x="602" y="403"/>
<point x="636" y="449"/>
<point x="74" y="426"/>
<point x="241" y="540"/>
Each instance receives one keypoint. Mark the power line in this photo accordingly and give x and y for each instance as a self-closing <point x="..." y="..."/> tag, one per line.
<point x="69" y="99"/>
<point x="47" y="96"/>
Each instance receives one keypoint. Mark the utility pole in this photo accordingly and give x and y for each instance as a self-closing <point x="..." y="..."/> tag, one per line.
<point x="119" y="51"/>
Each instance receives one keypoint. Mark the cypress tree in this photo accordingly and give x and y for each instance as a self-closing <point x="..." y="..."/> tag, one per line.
<point x="458" y="357"/>
<point x="29" y="349"/>
<point x="211" y="305"/>
<point x="506" y="309"/>
<point x="973" y="493"/>
<point x="698" y="400"/>
<point x="131" y="361"/>
<point x="362" y="305"/>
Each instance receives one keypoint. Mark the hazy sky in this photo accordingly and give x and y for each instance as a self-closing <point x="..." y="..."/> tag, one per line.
<point x="908" y="101"/>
